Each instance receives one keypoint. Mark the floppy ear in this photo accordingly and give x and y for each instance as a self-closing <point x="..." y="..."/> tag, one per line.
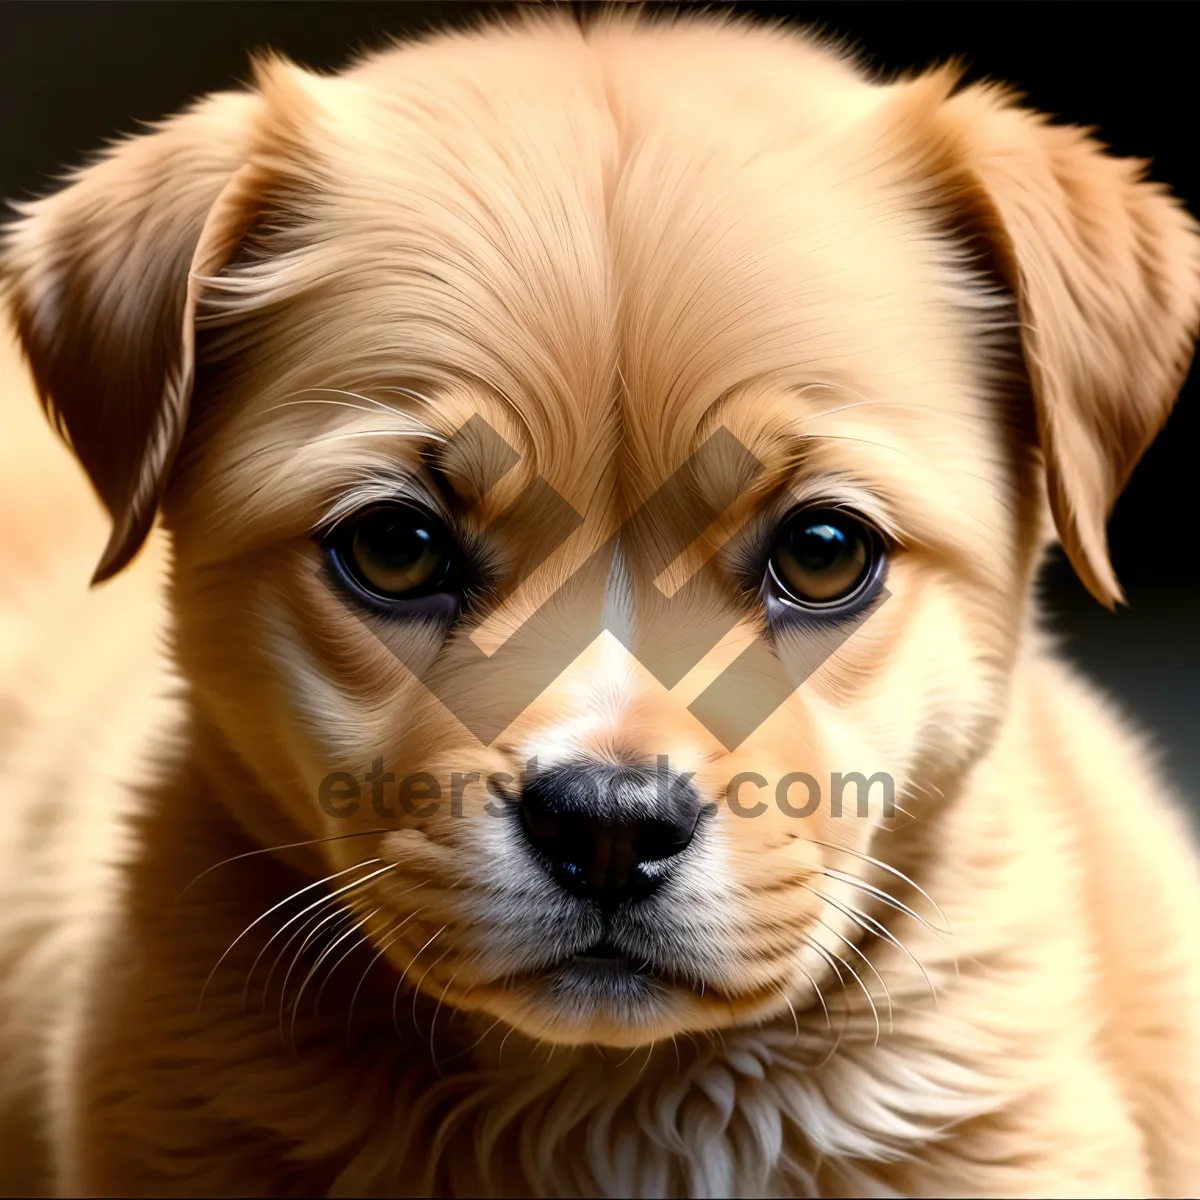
<point x="1105" y="267"/>
<point x="102" y="278"/>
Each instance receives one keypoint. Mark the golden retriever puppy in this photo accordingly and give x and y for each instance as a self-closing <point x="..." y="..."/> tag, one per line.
<point x="581" y="725"/>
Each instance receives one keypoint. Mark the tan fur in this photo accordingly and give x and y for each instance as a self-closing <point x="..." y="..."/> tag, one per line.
<point x="924" y="303"/>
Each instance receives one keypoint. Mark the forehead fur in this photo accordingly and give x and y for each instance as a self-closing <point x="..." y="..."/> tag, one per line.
<point x="577" y="229"/>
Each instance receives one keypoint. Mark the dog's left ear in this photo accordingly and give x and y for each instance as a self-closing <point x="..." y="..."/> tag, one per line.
<point x="1105" y="268"/>
<point x="102" y="279"/>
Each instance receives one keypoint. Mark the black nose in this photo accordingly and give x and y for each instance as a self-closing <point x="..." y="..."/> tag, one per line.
<point x="608" y="832"/>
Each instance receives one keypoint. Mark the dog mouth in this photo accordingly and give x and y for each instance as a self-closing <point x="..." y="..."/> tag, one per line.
<point x="606" y="995"/>
<point x="602" y="961"/>
<point x="602" y="956"/>
<point x="614" y="962"/>
<point x="601" y="981"/>
<point x="606" y="981"/>
<point x="602" y="968"/>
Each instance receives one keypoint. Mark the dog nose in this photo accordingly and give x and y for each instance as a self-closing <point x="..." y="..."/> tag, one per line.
<point x="609" y="833"/>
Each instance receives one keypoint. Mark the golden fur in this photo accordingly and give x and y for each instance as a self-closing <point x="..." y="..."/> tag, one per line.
<point x="917" y="299"/>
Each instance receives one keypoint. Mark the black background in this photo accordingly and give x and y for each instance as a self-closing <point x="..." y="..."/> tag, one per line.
<point x="74" y="74"/>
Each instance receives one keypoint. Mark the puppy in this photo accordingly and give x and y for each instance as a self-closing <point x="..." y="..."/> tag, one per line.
<point x="581" y="725"/>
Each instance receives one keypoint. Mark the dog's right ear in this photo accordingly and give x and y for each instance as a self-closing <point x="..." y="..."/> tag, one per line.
<point x="1104" y="267"/>
<point x="102" y="278"/>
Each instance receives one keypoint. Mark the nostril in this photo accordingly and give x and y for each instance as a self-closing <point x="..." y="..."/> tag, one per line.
<point x="541" y="825"/>
<point x="559" y="836"/>
<point x="657" y="840"/>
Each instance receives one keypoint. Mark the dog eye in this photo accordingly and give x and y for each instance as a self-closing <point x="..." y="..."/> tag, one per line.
<point x="393" y="553"/>
<point x="822" y="558"/>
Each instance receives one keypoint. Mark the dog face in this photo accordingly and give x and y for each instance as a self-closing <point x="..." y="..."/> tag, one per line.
<point x="580" y="446"/>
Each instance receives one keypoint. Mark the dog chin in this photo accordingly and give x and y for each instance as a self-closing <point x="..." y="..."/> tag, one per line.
<point x="610" y="999"/>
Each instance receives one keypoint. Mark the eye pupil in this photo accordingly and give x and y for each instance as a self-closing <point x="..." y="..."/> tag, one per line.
<point x="822" y="557"/>
<point x="393" y="543"/>
<point x="396" y="552"/>
<point x="818" y="547"/>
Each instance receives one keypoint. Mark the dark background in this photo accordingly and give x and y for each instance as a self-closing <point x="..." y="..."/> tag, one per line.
<point x="74" y="74"/>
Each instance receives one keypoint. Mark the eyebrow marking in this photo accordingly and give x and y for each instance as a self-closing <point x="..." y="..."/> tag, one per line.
<point x="372" y="404"/>
<point x="379" y="487"/>
<point x="837" y="490"/>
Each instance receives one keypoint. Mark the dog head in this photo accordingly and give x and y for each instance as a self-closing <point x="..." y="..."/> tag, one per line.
<point x="587" y="453"/>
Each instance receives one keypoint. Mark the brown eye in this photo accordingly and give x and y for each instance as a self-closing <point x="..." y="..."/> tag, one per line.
<point x="823" y="556"/>
<point x="397" y="552"/>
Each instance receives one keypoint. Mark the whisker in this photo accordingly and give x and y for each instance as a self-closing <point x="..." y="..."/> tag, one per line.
<point x="433" y="1022"/>
<point x="320" y="959"/>
<point x="627" y="1058"/>
<point x="315" y="925"/>
<point x="345" y="914"/>
<point x="476" y="1043"/>
<point x="337" y="837"/>
<point x="362" y="941"/>
<point x="503" y="1041"/>
<point x="870" y="967"/>
<point x="298" y="932"/>
<point x="321" y="926"/>
<point x="830" y="957"/>
<point x="324" y="900"/>
<point x="837" y="1041"/>
<point x="829" y="962"/>
<point x="820" y="996"/>
<point x="388" y="940"/>
<point x="870" y="925"/>
<point x="400" y="981"/>
<point x="318" y="918"/>
<point x="889" y="900"/>
<point x="879" y="894"/>
<point x="795" y="1020"/>
<point x="417" y="987"/>
<point x="890" y="870"/>
<point x="264" y="916"/>
<point x="649" y="1056"/>
<point x="325" y="953"/>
